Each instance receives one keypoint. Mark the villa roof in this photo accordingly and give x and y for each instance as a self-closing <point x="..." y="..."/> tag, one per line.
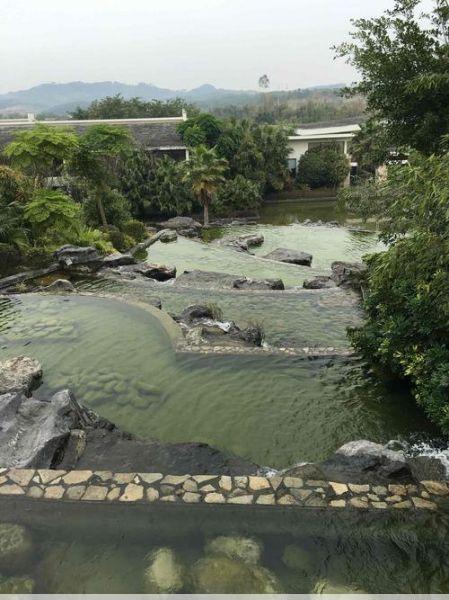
<point x="158" y="133"/>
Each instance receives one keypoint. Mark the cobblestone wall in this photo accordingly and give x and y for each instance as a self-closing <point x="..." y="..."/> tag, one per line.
<point x="106" y="486"/>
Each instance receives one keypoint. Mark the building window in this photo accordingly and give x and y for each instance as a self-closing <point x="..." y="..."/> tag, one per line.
<point x="291" y="165"/>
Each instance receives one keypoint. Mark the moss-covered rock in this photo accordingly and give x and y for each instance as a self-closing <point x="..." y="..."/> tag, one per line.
<point x="236" y="548"/>
<point x="16" y="547"/>
<point x="221" y="575"/>
<point x="16" y="585"/>
<point x="165" y="574"/>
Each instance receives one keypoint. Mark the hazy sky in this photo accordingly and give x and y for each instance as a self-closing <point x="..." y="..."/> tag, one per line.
<point x="176" y="43"/>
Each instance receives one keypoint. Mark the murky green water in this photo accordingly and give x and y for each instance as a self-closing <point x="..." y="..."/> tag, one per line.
<point x="93" y="549"/>
<point x="273" y="410"/>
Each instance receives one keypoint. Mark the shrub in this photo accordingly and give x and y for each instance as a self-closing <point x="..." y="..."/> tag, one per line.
<point x="116" y="208"/>
<point x="323" y="166"/>
<point x="95" y="238"/>
<point x="135" y="229"/>
<point x="120" y="240"/>
<point x="238" y="194"/>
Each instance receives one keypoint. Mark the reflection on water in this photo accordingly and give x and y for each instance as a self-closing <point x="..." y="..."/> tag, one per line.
<point x="273" y="410"/>
<point x="112" y="549"/>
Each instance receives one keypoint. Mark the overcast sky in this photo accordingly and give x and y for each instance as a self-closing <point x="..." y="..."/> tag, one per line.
<point x="176" y="43"/>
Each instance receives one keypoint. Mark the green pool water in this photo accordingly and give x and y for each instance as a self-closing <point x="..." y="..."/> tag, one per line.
<point x="91" y="549"/>
<point x="119" y="360"/>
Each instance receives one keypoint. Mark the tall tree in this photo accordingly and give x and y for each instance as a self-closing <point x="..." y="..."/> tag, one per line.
<point x="403" y="60"/>
<point x="205" y="173"/>
<point x="101" y="148"/>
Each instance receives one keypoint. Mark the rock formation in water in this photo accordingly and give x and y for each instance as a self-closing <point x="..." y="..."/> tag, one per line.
<point x="58" y="432"/>
<point x="287" y="255"/>
<point x="225" y="281"/>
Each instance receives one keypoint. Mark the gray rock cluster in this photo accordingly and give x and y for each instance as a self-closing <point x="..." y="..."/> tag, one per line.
<point x="344" y="274"/>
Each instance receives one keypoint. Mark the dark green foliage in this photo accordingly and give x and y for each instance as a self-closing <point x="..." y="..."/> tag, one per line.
<point x="135" y="180"/>
<point x="120" y="240"/>
<point x="135" y="229"/>
<point x="41" y="151"/>
<point x="116" y="107"/>
<point x="53" y="218"/>
<point x="370" y="148"/>
<point x="169" y="193"/>
<point x="403" y="61"/>
<point x="323" y="166"/>
<point x="209" y="126"/>
<point x="407" y="295"/>
<point x="116" y="208"/>
<point x="237" y="195"/>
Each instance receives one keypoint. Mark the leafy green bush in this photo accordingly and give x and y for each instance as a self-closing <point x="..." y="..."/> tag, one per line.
<point x="135" y="229"/>
<point x="116" y="208"/>
<point x="323" y="166"/>
<point x="119" y="240"/>
<point x="96" y="238"/>
<point x="53" y="217"/>
<point x="238" y="194"/>
<point x="407" y="296"/>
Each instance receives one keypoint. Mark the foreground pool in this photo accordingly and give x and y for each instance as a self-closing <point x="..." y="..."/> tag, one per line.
<point x="119" y="360"/>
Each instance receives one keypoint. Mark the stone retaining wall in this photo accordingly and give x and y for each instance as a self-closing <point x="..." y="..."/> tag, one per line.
<point x="106" y="486"/>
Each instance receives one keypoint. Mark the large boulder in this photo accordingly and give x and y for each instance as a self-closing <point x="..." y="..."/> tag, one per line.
<point x="247" y="550"/>
<point x="244" y="242"/>
<point x="165" y="574"/>
<point x="69" y="255"/>
<point x="117" y="259"/>
<point x="34" y="430"/>
<point x="60" y="285"/>
<point x="16" y="547"/>
<point x="167" y="235"/>
<point x="19" y="375"/>
<point x="178" y="223"/>
<point x="365" y="461"/>
<point x="222" y="575"/>
<point x="246" y="283"/>
<point x="287" y="255"/>
<point x="225" y="281"/>
<point x="157" y="272"/>
<point x="196" y="312"/>
<point x="319" y="282"/>
<point x="347" y="274"/>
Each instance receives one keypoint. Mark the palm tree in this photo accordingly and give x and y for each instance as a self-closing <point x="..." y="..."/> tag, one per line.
<point x="205" y="173"/>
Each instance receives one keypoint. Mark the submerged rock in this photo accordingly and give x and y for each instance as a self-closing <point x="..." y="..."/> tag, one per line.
<point x="244" y="242"/>
<point x="165" y="574"/>
<point x="60" y="285"/>
<point x="177" y="223"/>
<point x="197" y="312"/>
<point x="16" y="547"/>
<point x="225" y="281"/>
<point x="245" y="549"/>
<point x="290" y="256"/>
<point x="298" y="559"/>
<point x="69" y="255"/>
<point x="221" y="575"/>
<point x="16" y="585"/>
<point x="324" y="586"/>
<point x="347" y="274"/>
<point x="319" y="282"/>
<point x="19" y="375"/>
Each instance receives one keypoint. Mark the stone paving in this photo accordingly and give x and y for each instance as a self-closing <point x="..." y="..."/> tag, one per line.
<point x="106" y="486"/>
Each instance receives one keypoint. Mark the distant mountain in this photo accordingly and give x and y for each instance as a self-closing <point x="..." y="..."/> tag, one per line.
<point x="61" y="98"/>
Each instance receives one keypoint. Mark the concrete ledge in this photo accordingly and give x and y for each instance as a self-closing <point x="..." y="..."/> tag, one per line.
<point x="148" y="488"/>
